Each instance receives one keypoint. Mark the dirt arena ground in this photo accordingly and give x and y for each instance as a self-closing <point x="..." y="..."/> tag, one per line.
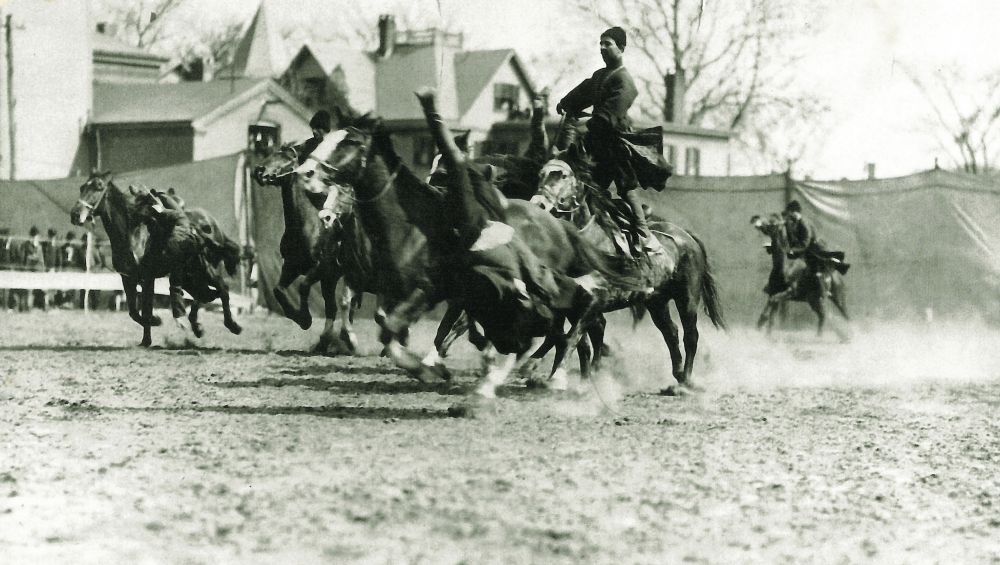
<point x="244" y="450"/>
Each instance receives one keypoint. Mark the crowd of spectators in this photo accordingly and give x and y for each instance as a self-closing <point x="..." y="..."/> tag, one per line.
<point x="53" y="252"/>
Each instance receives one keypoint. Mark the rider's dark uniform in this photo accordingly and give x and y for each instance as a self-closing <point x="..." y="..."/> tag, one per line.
<point x="611" y="92"/>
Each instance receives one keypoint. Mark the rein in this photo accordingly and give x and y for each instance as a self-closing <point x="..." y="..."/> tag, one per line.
<point x="384" y="189"/>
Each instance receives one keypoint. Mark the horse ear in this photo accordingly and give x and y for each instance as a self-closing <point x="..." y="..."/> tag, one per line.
<point x="171" y="191"/>
<point x="133" y="190"/>
<point x="339" y="118"/>
<point x="754" y="219"/>
<point x="462" y="141"/>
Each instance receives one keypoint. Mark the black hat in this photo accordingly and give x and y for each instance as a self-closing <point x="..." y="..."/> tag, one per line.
<point x="33" y="231"/>
<point x="617" y="35"/>
<point x="793" y="206"/>
<point x="70" y="235"/>
<point x="321" y="120"/>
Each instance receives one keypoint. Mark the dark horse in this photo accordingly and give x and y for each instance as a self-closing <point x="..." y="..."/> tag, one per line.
<point x="680" y="272"/>
<point x="790" y="280"/>
<point x="487" y="282"/>
<point x="303" y="243"/>
<point x="101" y="198"/>
<point x="191" y="249"/>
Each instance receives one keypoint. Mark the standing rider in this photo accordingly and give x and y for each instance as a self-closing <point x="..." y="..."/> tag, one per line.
<point x="611" y="91"/>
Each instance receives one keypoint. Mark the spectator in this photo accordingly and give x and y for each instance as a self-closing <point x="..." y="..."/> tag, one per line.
<point x="34" y="260"/>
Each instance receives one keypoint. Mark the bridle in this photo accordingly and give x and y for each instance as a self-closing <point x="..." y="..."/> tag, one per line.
<point x="92" y="208"/>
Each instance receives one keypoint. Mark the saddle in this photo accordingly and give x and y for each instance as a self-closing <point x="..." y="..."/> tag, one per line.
<point x="618" y="222"/>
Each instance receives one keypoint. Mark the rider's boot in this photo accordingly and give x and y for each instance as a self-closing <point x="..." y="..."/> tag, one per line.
<point x="649" y="243"/>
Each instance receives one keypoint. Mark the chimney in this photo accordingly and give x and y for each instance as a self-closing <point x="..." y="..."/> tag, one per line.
<point x="386" y="36"/>
<point x="870" y="169"/>
<point x="673" y="104"/>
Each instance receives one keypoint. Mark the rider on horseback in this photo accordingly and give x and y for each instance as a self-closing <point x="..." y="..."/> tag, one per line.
<point x="803" y="243"/>
<point x="611" y="92"/>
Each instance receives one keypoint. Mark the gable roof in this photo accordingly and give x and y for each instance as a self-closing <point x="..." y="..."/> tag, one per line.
<point x="180" y="102"/>
<point x="103" y="44"/>
<point x="261" y="52"/>
<point x="474" y="69"/>
<point x="407" y="69"/>
<point x="357" y="68"/>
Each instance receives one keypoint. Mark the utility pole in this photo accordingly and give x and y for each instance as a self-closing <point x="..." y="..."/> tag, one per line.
<point x="11" y="122"/>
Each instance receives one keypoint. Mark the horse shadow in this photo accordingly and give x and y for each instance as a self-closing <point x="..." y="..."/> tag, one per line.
<point x="408" y="386"/>
<point x="65" y="348"/>
<point x="333" y="411"/>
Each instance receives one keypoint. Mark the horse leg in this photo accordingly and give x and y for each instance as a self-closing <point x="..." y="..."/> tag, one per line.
<point x="454" y="323"/>
<point x="147" y="311"/>
<point x="176" y="297"/>
<point x="595" y="332"/>
<point x="280" y="292"/>
<point x="659" y="312"/>
<point x="395" y="329"/>
<point x="328" y="290"/>
<point x="304" y="316"/>
<point x="129" y="285"/>
<point x="227" y="313"/>
<point x="687" y="308"/>
<point x="196" y="328"/>
<point x="348" y="304"/>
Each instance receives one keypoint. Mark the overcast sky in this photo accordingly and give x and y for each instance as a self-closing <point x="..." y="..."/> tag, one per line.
<point x="854" y="60"/>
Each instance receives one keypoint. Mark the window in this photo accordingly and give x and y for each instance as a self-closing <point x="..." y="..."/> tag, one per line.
<point x="692" y="161"/>
<point x="313" y="91"/>
<point x="672" y="156"/>
<point x="423" y="150"/>
<point x="505" y="97"/>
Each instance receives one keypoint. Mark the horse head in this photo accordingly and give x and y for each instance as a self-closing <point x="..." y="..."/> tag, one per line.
<point x="774" y="228"/>
<point x="92" y="195"/>
<point x="341" y="157"/>
<point x="278" y="166"/>
<point x="558" y="188"/>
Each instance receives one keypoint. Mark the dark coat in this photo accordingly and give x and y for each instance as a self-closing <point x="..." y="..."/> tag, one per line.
<point x="630" y="160"/>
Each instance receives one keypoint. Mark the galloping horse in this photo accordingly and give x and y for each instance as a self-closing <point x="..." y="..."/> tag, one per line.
<point x="101" y="198"/>
<point x="681" y="273"/>
<point x="187" y="250"/>
<point x="392" y="200"/>
<point x="303" y="243"/>
<point x="790" y="280"/>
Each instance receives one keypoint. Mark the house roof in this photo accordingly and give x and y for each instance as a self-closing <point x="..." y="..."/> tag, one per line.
<point x="409" y="68"/>
<point x="103" y="44"/>
<point x="474" y="69"/>
<point x="357" y="68"/>
<point x="180" y="102"/>
<point x="261" y="52"/>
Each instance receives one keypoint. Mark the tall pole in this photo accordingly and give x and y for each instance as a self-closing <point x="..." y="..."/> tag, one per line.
<point x="11" y="122"/>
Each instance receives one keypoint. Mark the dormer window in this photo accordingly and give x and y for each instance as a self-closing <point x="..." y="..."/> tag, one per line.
<point x="505" y="97"/>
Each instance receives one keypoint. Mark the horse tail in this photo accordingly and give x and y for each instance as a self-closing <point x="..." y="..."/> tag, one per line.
<point x="709" y="291"/>
<point x="638" y="310"/>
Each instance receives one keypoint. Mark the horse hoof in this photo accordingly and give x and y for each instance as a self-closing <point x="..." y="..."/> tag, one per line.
<point x="234" y="328"/>
<point x="145" y="343"/>
<point x="198" y="330"/>
<point x="155" y="320"/>
<point x="431" y="373"/>
<point x="350" y="341"/>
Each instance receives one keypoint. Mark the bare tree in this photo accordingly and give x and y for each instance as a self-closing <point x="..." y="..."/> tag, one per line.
<point x="137" y="22"/>
<point x="734" y="55"/>
<point x="354" y="24"/>
<point x="966" y="115"/>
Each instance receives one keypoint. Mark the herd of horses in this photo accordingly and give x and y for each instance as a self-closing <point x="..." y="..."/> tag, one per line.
<point x="527" y="254"/>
